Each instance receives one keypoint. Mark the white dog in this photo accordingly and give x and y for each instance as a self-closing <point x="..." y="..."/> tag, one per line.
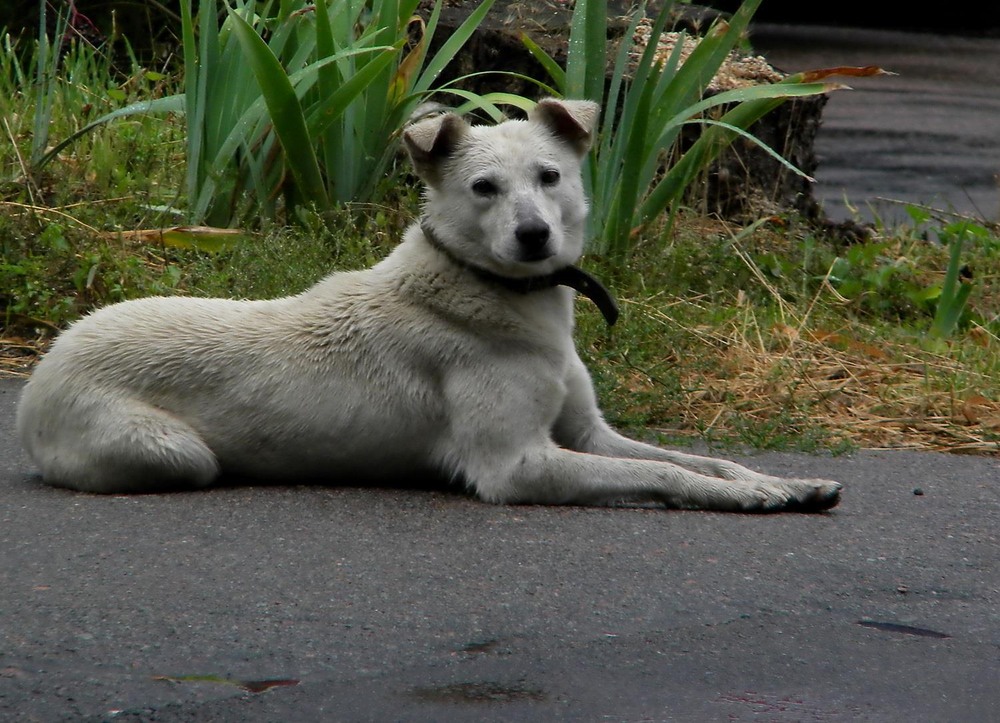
<point x="453" y="357"/>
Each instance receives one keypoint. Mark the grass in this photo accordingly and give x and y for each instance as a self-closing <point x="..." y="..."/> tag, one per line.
<point x="771" y="336"/>
<point x="715" y="343"/>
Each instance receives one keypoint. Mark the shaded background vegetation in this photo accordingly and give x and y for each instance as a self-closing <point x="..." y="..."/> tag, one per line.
<point x="158" y="23"/>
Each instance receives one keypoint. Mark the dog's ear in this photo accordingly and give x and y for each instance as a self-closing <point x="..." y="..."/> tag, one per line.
<point x="432" y="140"/>
<point x="574" y="121"/>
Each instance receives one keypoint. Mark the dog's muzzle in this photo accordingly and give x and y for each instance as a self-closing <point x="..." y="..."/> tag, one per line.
<point x="572" y="276"/>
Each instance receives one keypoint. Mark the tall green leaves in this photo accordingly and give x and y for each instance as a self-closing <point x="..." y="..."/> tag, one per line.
<point x="953" y="295"/>
<point x="646" y="104"/>
<point x="306" y="97"/>
<point x="248" y="102"/>
<point x="46" y="66"/>
<point x="284" y="113"/>
<point x="297" y="101"/>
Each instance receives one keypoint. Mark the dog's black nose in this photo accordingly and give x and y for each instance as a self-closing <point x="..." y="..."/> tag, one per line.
<point x="532" y="235"/>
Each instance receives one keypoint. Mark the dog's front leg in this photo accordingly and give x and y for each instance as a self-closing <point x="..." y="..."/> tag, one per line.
<point x="547" y="474"/>
<point x="581" y="427"/>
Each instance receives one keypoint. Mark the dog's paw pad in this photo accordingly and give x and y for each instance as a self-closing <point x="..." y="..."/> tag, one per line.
<point x="816" y="495"/>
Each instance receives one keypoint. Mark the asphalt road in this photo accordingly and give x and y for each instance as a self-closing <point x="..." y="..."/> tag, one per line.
<point x="928" y="135"/>
<point x="346" y="604"/>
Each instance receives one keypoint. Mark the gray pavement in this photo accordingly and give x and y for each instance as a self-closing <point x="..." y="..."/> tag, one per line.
<point x="409" y="605"/>
<point x="930" y="134"/>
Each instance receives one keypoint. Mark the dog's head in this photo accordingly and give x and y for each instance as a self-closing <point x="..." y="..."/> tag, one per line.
<point x="508" y="198"/>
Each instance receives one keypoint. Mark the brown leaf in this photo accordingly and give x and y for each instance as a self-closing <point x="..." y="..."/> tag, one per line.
<point x="812" y="76"/>
<point x="205" y="238"/>
<point x="253" y="686"/>
<point x="973" y="408"/>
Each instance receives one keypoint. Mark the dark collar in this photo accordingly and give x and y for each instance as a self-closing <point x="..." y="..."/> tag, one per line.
<point x="571" y="276"/>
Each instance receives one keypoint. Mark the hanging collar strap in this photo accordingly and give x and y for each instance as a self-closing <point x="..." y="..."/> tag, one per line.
<point x="571" y="276"/>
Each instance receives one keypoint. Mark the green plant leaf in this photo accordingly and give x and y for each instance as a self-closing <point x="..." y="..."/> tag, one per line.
<point x="285" y="111"/>
<point x="168" y="104"/>
<point x="716" y="137"/>
<point x="587" y="55"/>
<point x="955" y="291"/>
<point x="451" y="46"/>
<point x="489" y="103"/>
<point x="551" y="67"/>
<point x="323" y="114"/>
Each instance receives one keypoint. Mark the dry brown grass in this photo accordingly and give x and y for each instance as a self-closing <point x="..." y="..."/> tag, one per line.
<point x="860" y="392"/>
<point x="18" y="355"/>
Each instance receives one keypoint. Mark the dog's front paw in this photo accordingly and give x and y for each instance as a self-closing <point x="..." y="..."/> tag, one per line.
<point x="797" y="495"/>
<point x="765" y="494"/>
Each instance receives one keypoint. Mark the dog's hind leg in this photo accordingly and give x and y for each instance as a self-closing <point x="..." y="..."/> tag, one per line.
<point x="117" y="446"/>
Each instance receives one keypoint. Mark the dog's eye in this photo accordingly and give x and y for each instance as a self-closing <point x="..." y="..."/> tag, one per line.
<point x="550" y="177"/>
<point x="482" y="187"/>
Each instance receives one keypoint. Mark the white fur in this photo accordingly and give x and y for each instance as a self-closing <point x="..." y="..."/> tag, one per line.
<point x="417" y="365"/>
